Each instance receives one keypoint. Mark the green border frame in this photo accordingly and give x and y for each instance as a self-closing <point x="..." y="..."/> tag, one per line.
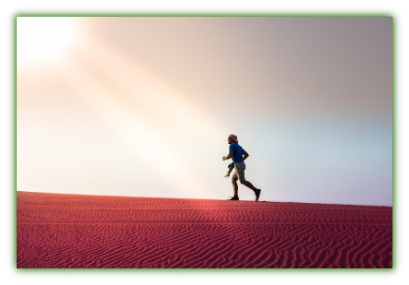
<point x="295" y="8"/>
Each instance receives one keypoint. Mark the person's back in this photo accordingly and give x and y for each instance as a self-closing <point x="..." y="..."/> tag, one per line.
<point x="237" y="153"/>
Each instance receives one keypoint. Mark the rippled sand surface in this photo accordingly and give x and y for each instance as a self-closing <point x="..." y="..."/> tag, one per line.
<point x="81" y="231"/>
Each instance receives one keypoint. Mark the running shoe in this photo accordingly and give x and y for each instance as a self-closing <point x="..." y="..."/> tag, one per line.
<point x="257" y="192"/>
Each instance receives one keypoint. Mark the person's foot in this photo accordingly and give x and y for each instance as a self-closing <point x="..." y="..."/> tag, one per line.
<point x="234" y="198"/>
<point x="257" y="192"/>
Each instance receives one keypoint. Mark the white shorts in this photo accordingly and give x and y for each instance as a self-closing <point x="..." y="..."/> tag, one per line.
<point x="239" y="168"/>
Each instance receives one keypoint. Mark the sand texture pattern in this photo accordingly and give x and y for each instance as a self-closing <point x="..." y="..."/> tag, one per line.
<point x="81" y="231"/>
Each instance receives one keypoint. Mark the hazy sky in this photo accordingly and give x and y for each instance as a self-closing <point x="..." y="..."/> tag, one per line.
<point x="143" y="106"/>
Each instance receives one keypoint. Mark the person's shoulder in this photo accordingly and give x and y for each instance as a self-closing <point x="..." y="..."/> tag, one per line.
<point x="233" y="146"/>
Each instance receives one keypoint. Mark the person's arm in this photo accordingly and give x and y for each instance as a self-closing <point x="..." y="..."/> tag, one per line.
<point x="245" y="154"/>
<point x="228" y="156"/>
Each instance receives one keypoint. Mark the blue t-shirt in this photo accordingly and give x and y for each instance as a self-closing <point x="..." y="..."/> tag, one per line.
<point x="237" y="152"/>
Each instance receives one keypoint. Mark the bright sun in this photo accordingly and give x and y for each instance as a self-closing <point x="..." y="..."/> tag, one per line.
<point x="44" y="40"/>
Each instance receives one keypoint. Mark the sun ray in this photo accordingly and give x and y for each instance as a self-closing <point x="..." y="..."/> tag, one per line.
<point x="144" y="142"/>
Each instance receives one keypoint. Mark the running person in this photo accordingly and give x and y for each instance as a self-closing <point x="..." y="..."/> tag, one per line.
<point x="238" y="155"/>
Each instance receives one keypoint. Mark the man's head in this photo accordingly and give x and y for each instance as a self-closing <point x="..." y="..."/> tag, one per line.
<point x="232" y="139"/>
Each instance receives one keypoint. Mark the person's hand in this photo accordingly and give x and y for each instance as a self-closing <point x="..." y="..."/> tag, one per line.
<point x="224" y="158"/>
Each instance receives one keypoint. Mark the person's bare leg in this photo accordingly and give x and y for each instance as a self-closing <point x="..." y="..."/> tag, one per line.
<point x="235" y="187"/>
<point x="248" y="184"/>
<point x="256" y="191"/>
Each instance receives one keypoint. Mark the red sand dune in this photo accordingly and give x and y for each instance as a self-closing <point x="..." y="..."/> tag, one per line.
<point x="81" y="231"/>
